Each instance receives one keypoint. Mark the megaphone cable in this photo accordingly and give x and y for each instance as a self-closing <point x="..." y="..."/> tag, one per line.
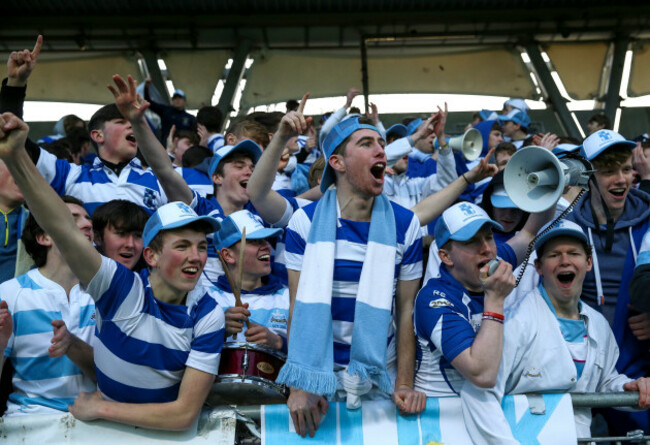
<point x="531" y="245"/>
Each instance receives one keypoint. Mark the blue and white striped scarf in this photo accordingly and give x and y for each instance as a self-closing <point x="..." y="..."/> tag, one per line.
<point x="310" y="364"/>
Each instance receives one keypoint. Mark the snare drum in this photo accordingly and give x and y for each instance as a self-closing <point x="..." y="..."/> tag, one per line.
<point x="247" y="374"/>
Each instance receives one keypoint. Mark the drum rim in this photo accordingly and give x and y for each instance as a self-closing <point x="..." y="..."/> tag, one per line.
<point x="240" y="345"/>
<point x="258" y="381"/>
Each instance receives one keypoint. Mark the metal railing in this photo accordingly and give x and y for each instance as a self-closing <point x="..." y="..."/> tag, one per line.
<point x="579" y="400"/>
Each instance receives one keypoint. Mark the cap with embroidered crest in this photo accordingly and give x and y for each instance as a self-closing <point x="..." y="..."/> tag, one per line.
<point x="461" y="222"/>
<point x="173" y="216"/>
<point x="600" y="141"/>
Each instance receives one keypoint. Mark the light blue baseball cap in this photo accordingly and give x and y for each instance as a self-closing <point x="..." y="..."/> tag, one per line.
<point x="173" y="216"/>
<point x="500" y="199"/>
<point x="600" y="141"/>
<point x="246" y="146"/>
<point x="397" y="130"/>
<point x="516" y="116"/>
<point x="460" y="222"/>
<point x="562" y="228"/>
<point x="233" y="226"/>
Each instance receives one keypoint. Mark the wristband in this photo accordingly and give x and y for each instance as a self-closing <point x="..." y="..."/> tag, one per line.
<point x="496" y="315"/>
<point x="443" y="146"/>
<point x="487" y="317"/>
<point x="466" y="180"/>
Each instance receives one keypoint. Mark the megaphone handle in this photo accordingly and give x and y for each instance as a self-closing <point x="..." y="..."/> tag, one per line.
<point x="531" y="245"/>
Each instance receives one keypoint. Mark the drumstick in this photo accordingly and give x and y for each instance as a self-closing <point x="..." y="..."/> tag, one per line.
<point x="242" y="247"/>
<point x="233" y="286"/>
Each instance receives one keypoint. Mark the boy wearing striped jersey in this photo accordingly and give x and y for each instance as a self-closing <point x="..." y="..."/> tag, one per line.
<point x="369" y="262"/>
<point x="159" y="334"/>
<point x="458" y="316"/>
<point x="115" y="173"/>
<point x="263" y="317"/>
<point x="49" y="370"/>
<point x="230" y="169"/>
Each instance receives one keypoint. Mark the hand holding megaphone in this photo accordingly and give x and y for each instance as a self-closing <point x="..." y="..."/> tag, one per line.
<point x="535" y="178"/>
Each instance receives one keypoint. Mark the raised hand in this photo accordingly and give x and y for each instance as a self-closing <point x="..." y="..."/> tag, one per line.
<point x="21" y="64"/>
<point x="483" y="169"/>
<point x="128" y="101"/>
<point x="352" y="93"/>
<point x="294" y="122"/>
<point x="13" y="134"/>
<point x="439" y="124"/>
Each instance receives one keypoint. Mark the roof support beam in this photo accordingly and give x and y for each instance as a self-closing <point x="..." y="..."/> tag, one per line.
<point x="613" y="97"/>
<point x="151" y="60"/>
<point x="233" y="78"/>
<point x="364" y="73"/>
<point x="557" y="101"/>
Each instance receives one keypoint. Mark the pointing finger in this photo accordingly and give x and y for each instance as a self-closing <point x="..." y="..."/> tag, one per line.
<point x="303" y="101"/>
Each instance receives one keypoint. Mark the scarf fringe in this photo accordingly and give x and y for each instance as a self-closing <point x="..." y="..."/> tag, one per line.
<point x="295" y="375"/>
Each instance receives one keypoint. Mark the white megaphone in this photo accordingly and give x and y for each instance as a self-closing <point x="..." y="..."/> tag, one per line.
<point x="470" y="144"/>
<point x="535" y="178"/>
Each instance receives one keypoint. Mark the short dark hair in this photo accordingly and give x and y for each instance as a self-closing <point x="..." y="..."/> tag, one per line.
<point x="602" y="120"/>
<point x="211" y="118"/>
<point x="101" y="116"/>
<point x="194" y="155"/>
<point x="269" y="120"/>
<point x="156" y="243"/>
<point x="77" y="136"/>
<point x="60" y="148"/>
<point x="32" y="229"/>
<point x="292" y="105"/>
<point x="614" y="156"/>
<point x="187" y="134"/>
<point x="120" y="214"/>
<point x="506" y="147"/>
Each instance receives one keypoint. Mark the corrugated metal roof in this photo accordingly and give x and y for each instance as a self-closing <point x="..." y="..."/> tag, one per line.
<point x="70" y="25"/>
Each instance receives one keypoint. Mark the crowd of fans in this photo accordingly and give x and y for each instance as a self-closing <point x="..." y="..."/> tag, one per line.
<point x="381" y="261"/>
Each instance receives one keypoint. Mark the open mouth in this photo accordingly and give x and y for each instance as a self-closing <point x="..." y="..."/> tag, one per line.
<point x="266" y="257"/>
<point x="566" y="278"/>
<point x="378" y="170"/>
<point x="126" y="256"/>
<point x="131" y="138"/>
<point x="482" y="263"/>
<point x="619" y="193"/>
<point x="191" y="271"/>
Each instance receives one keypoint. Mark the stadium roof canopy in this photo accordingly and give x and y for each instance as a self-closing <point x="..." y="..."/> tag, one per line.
<point x="324" y="46"/>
